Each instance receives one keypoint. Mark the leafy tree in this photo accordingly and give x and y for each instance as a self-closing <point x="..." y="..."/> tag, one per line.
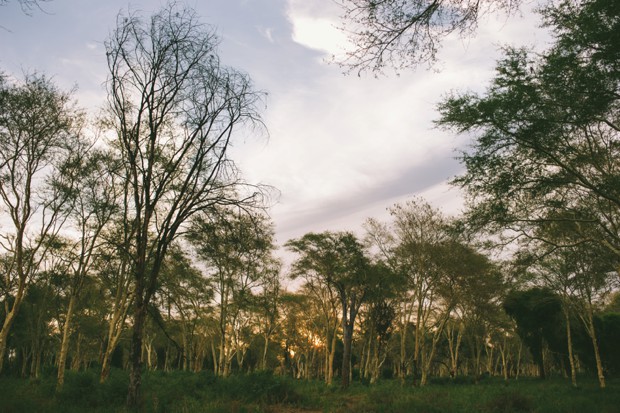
<point x="421" y="251"/>
<point x="38" y="127"/>
<point x="401" y="34"/>
<point x="185" y="296"/>
<point x="95" y="203"/>
<point x="266" y="309"/>
<point x="236" y="246"/>
<point x="592" y="277"/>
<point x="112" y="265"/>
<point x="470" y="292"/>
<point x="546" y="134"/>
<point x="338" y="260"/>
<point x="537" y="312"/>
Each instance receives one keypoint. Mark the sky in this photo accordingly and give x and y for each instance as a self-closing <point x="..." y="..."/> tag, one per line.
<point x="339" y="148"/>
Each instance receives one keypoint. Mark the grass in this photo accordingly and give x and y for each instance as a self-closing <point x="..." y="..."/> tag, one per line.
<point x="264" y="392"/>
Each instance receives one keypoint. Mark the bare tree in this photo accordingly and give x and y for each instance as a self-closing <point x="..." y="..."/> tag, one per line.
<point x="401" y="34"/>
<point x="38" y="123"/>
<point x="28" y="6"/>
<point x="174" y="109"/>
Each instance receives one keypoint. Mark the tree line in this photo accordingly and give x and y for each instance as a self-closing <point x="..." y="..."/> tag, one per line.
<point x="132" y="241"/>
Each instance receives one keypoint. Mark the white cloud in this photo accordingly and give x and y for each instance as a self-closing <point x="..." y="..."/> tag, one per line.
<point x="316" y="26"/>
<point x="344" y="148"/>
<point x="318" y="33"/>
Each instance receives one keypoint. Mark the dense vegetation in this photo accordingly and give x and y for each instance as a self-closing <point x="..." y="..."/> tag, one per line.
<point x="146" y="250"/>
<point x="265" y="392"/>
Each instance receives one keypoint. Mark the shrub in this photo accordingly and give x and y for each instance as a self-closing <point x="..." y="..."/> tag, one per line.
<point x="509" y="402"/>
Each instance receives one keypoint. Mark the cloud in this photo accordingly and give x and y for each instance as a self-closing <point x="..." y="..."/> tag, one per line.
<point x="319" y="34"/>
<point x="416" y="179"/>
<point x="267" y="33"/>
<point x="316" y="26"/>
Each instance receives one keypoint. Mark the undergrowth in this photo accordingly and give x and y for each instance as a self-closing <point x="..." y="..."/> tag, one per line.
<point x="265" y="392"/>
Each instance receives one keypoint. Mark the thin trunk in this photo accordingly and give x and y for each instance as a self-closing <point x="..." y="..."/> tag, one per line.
<point x="114" y="333"/>
<point x="402" y="366"/>
<point x="332" y="354"/>
<point x="503" y="351"/>
<point x="569" y="343"/>
<point x="75" y="364"/>
<point x="64" y="347"/>
<point x="135" y="360"/>
<point x="367" y="357"/>
<point x="25" y="358"/>
<point x="426" y="365"/>
<point x="8" y="322"/>
<point x="454" y="348"/>
<point x="265" y="349"/>
<point x="122" y="302"/>
<point x="223" y="359"/>
<point x="214" y="355"/>
<point x="519" y="360"/>
<point x="347" y="327"/>
<point x="597" y="355"/>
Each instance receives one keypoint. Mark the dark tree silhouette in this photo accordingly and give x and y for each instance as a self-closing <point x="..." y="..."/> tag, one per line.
<point x="401" y="34"/>
<point x="173" y="107"/>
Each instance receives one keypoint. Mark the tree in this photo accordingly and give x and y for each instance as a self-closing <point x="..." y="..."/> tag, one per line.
<point x="266" y="309"/>
<point x="338" y="260"/>
<point x="27" y="5"/>
<point x="537" y="312"/>
<point x="38" y="126"/>
<point x="112" y="265"/>
<point x="546" y="134"/>
<point x="174" y="109"/>
<point x="184" y="295"/>
<point x="591" y="272"/>
<point x="402" y="34"/>
<point x="236" y="246"/>
<point x="412" y="246"/>
<point x="95" y="203"/>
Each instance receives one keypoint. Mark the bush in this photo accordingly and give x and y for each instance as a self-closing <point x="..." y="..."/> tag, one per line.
<point x="509" y="402"/>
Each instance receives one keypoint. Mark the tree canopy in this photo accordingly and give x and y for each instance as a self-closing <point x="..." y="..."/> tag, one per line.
<point x="545" y="134"/>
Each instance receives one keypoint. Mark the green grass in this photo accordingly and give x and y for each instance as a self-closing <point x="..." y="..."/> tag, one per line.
<point x="264" y="392"/>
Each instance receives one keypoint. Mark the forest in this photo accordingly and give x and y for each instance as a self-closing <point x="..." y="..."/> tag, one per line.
<point x="133" y="248"/>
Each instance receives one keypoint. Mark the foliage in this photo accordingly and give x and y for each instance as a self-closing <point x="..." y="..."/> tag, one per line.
<point x="546" y="135"/>
<point x="537" y="312"/>
<point x="260" y="392"/>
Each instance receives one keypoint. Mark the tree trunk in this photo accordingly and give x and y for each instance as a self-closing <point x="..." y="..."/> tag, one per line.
<point x="519" y="360"/>
<point x="214" y="355"/>
<point x="569" y="343"/>
<point x="8" y="322"/>
<point x="223" y="359"/>
<point x="346" y="354"/>
<point x="64" y="346"/>
<point x="332" y="354"/>
<point x="597" y="355"/>
<point x="454" y="348"/>
<point x="75" y="363"/>
<point x="265" y="349"/>
<point x="122" y="303"/>
<point x="135" y="360"/>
